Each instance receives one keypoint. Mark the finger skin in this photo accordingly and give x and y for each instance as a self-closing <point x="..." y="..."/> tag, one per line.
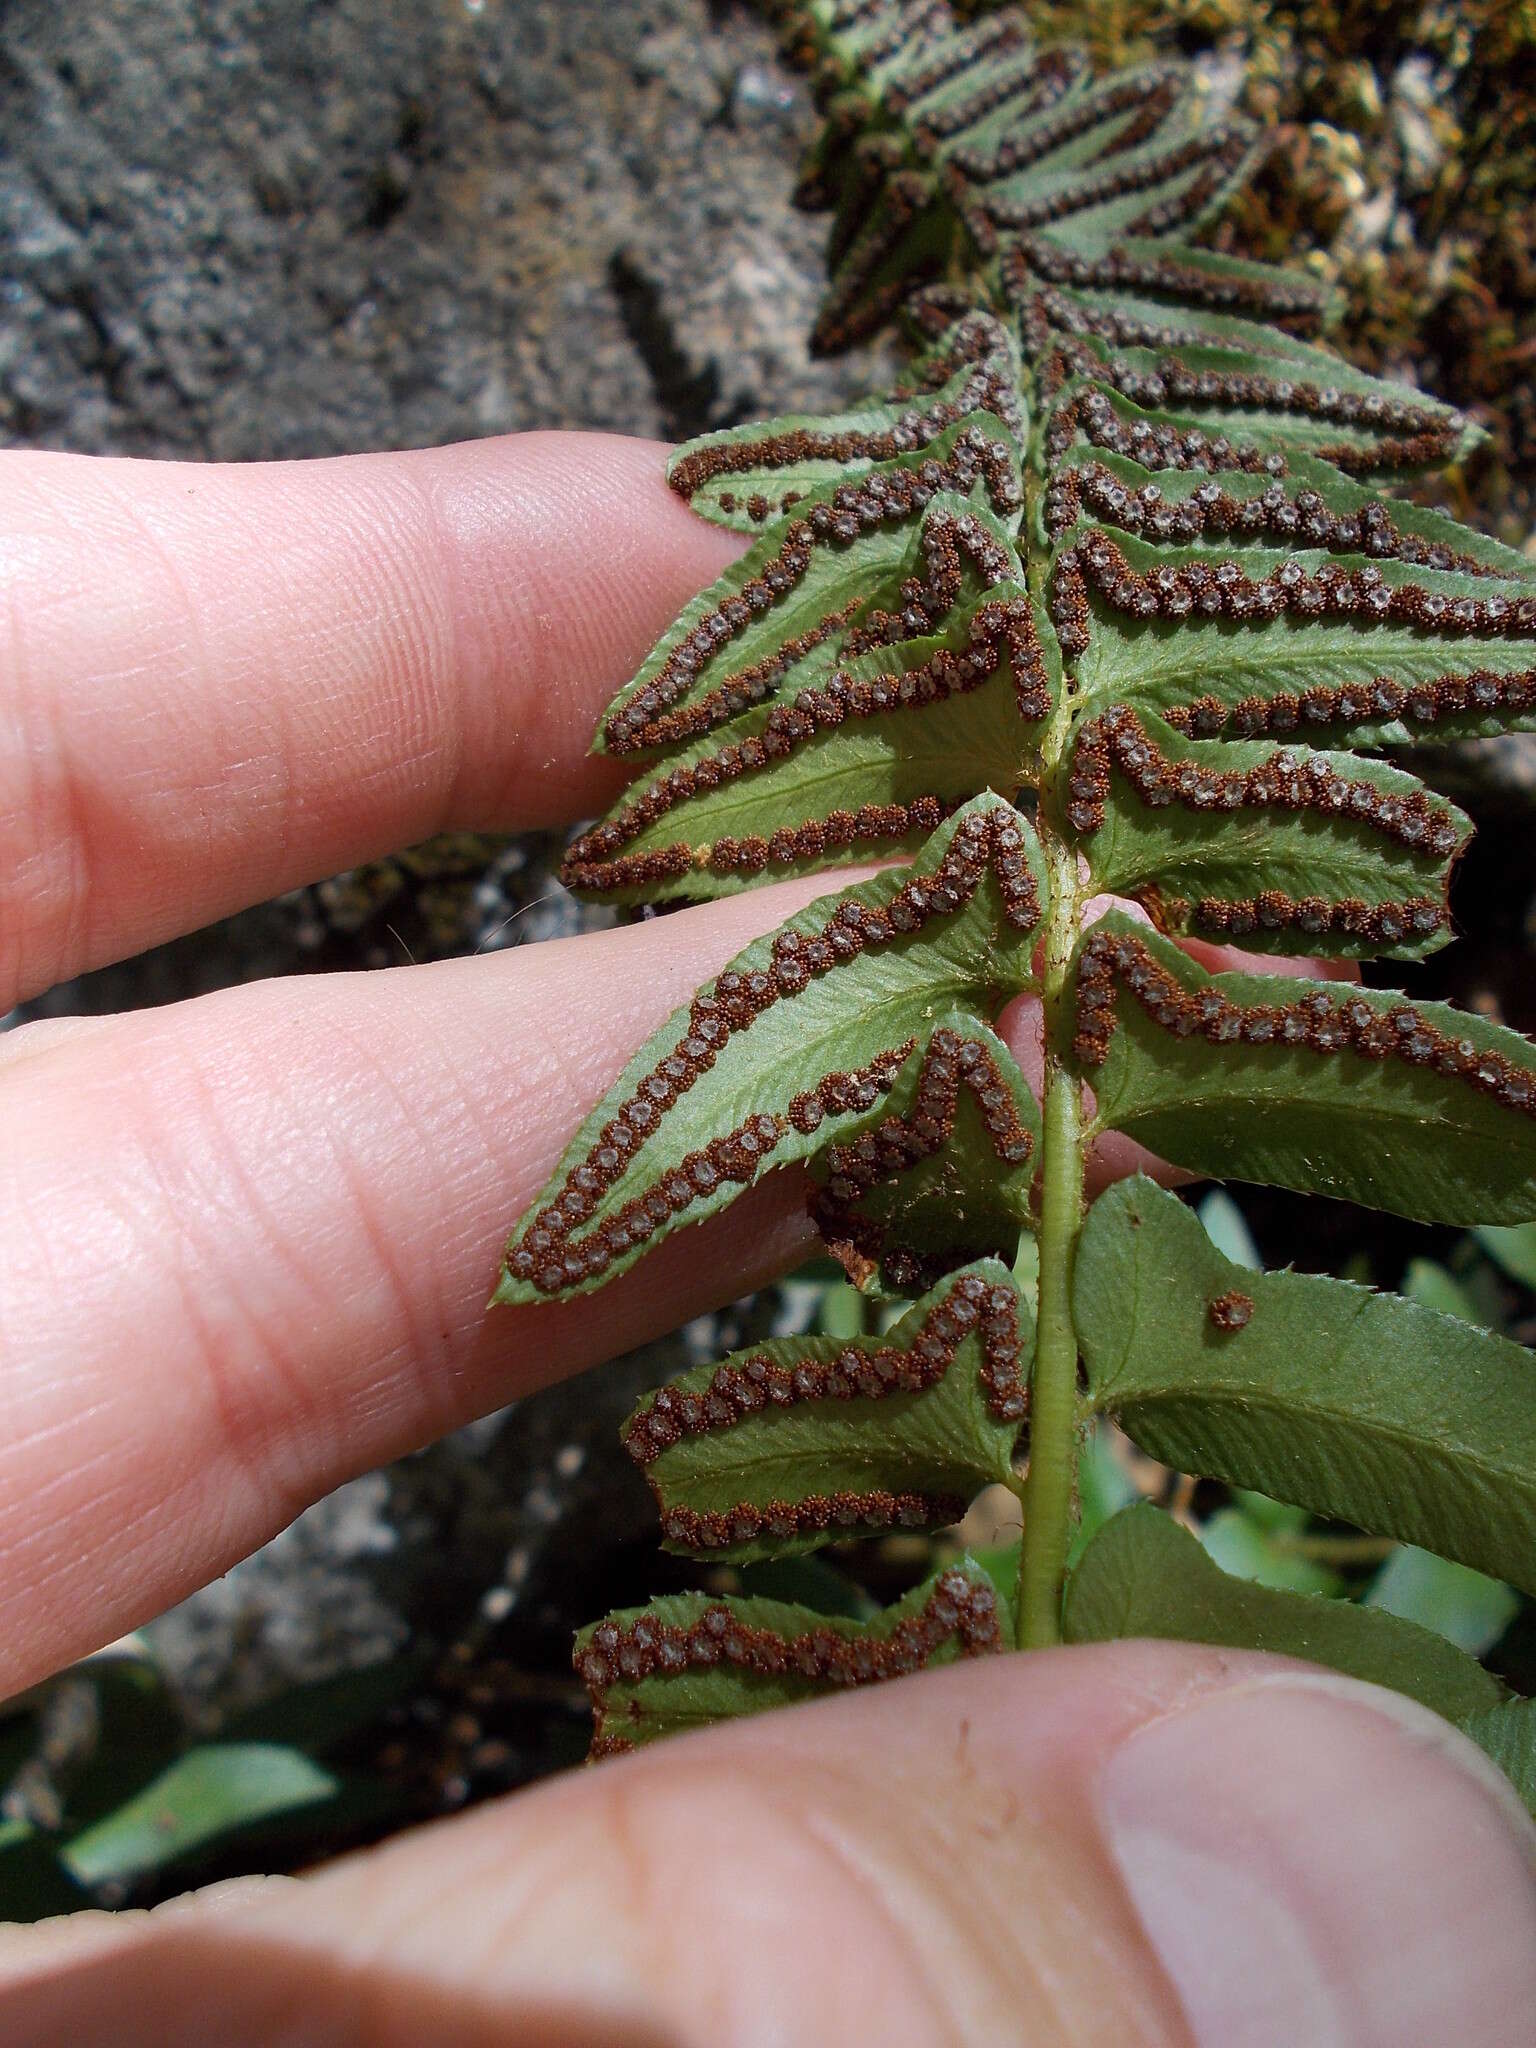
<point x="220" y="681"/>
<point x="916" y="1865"/>
<point x="975" y="1856"/>
<point x="249" y="1243"/>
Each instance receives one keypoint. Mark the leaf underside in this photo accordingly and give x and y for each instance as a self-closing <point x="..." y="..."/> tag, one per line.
<point x="687" y="1660"/>
<point x="814" y="1440"/>
<point x="1415" y="1108"/>
<point x="1508" y="1734"/>
<point x="792" y="1049"/>
<point x="945" y="1176"/>
<point x="1120" y="546"/>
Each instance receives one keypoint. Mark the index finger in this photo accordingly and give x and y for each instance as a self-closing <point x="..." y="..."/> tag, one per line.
<point x="219" y="681"/>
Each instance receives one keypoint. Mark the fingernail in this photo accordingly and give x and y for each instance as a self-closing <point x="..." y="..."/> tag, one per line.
<point x="1319" y="1864"/>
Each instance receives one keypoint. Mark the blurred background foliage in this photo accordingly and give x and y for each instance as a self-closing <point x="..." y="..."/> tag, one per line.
<point x="1406" y="171"/>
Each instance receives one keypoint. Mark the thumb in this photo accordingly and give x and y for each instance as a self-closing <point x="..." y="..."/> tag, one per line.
<point x="1134" y="1844"/>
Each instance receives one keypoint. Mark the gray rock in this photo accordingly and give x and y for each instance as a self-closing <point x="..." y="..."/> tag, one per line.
<point x="241" y="229"/>
<point x="262" y="228"/>
<point x="307" y="1606"/>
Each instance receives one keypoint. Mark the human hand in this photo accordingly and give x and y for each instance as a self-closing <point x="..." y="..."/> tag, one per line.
<point x="247" y="1243"/>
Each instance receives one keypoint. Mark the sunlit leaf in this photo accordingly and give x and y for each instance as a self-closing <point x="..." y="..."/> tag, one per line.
<point x="1246" y="1550"/>
<point x="1433" y="1287"/>
<point x="843" y="1311"/>
<point x="1512" y="1247"/>
<point x="793" y="1048"/>
<point x="813" y="1440"/>
<point x="1227" y="1228"/>
<point x="209" y="1792"/>
<point x="1308" y="507"/>
<point x="746" y="477"/>
<point x="1279" y="848"/>
<point x="860" y="763"/>
<point x="1466" y="1607"/>
<point x="945" y="1176"/>
<point x="1276" y="670"/>
<point x="1274" y="1517"/>
<point x="780" y="617"/>
<point x="1117" y="546"/>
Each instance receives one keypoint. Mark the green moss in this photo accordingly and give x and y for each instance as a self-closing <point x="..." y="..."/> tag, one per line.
<point x="1405" y="170"/>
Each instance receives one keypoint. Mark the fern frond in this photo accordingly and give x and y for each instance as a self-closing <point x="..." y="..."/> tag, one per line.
<point x="1108" y="595"/>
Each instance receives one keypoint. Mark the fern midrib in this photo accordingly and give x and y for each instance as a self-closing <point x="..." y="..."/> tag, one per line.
<point x="1050" y="1482"/>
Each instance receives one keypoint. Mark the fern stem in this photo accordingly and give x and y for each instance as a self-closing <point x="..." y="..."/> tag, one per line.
<point x="1048" y="1485"/>
<point x="1050" y="1481"/>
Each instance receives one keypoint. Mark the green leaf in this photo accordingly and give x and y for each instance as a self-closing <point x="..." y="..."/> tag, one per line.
<point x="1096" y="124"/>
<point x="843" y="1312"/>
<point x="1274" y="1517"/>
<point x="813" y="1440"/>
<point x="791" y="1049"/>
<point x="864" y="761"/>
<point x="1026" y="1269"/>
<point x="1197" y="281"/>
<point x="1466" y="1607"/>
<point x="945" y="1176"/>
<point x="1104" y="1487"/>
<point x="1507" y="1733"/>
<point x="781" y="615"/>
<point x="1432" y="1287"/>
<point x="1246" y="1550"/>
<point x="1386" y="677"/>
<point x="743" y="477"/>
<point x="687" y="1660"/>
<point x="1310" y="404"/>
<point x="1088" y="172"/>
<point x="1311" y="510"/>
<point x="1419" y="1109"/>
<point x="208" y="1792"/>
<point x="1280" y="848"/>
<point x="1227" y="1228"/>
<point x="1512" y="1247"/>
<point x="1359" y="1406"/>
<point x="896" y="229"/>
<point x="1099" y="215"/>
<point x="988" y="76"/>
<point x="1145" y="1576"/>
